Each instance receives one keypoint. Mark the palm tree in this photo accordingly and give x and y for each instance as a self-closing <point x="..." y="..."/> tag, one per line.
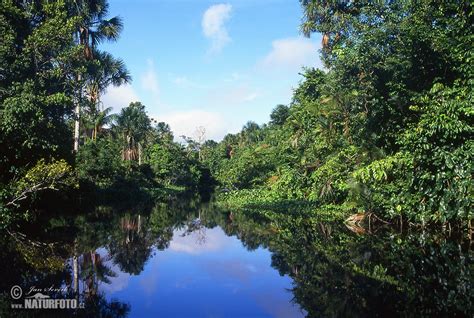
<point x="279" y="114"/>
<point x="104" y="71"/>
<point x="103" y="118"/>
<point x="133" y="124"/>
<point x="87" y="122"/>
<point x="93" y="120"/>
<point x="93" y="271"/>
<point x="93" y="29"/>
<point x="250" y="133"/>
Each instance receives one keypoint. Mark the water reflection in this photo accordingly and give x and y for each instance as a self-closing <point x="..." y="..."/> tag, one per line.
<point x="189" y="259"/>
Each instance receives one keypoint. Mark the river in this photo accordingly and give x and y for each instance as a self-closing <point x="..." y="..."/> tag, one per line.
<point x="189" y="259"/>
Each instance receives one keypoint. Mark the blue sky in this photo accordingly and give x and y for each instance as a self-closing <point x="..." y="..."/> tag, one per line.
<point x="212" y="64"/>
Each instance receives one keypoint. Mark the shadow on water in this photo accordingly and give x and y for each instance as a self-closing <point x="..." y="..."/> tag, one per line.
<point x="334" y="271"/>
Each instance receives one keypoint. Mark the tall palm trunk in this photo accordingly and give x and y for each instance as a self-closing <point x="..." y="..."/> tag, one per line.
<point x="77" y="113"/>
<point x="75" y="272"/>
<point x="83" y="38"/>
<point x="76" y="128"/>
<point x="139" y="154"/>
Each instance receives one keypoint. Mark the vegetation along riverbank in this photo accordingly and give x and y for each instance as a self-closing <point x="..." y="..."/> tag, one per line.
<point x="385" y="129"/>
<point x="361" y="187"/>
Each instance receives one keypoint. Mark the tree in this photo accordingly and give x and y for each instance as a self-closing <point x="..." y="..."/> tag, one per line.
<point x="99" y="161"/>
<point x="385" y="54"/>
<point x="93" y="29"/>
<point x="163" y="132"/>
<point x="35" y="84"/>
<point x="133" y="124"/>
<point x="250" y="132"/>
<point x="279" y="114"/>
<point x="102" y="118"/>
<point x="102" y="72"/>
<point x="384" y="129"/>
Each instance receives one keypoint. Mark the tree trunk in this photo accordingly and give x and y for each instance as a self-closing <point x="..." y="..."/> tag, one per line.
<point x="139" y="154"/>
<point x="75" y="273"/>
<point x="139" y="223"/>
<point x="77" y="113"/>
<point x="76" y="127"/>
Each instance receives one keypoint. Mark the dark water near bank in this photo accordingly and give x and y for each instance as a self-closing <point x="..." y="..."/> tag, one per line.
<point x="192" y="260"/>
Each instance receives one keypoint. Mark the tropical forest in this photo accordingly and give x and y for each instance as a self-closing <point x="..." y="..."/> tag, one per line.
<point x="354" y="198"/>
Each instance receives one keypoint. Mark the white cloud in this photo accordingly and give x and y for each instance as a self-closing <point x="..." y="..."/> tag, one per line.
<point x="250" y="97"/>
<point x="119" y="97"/>
<point x="184" y="81"/>
<point x="117" y="283"/>
<point x="198" y="242"/>
<point x="186" y="122"/>
<point x="232" y="95"/>
<point x="291" y="54"/>
<point x="213" y="26"/>
<point x="234" y="77"/>
<point x="149" y="79"/>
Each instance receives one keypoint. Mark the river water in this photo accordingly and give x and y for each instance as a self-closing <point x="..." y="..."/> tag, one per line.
<point x="194" y="260"/>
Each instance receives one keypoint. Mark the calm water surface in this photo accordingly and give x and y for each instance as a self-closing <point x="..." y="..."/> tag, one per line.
<point x="204" y="273"/>
<point x="187" y="259"/>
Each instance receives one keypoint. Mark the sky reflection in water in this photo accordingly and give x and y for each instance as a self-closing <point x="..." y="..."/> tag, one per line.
<point x="205" y="274"/>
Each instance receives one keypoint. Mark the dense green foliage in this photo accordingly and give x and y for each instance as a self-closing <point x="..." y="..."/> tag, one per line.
<point x="387" y="128"/>
<point x="53" y="124"/>
<point x="383" y="133"/>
